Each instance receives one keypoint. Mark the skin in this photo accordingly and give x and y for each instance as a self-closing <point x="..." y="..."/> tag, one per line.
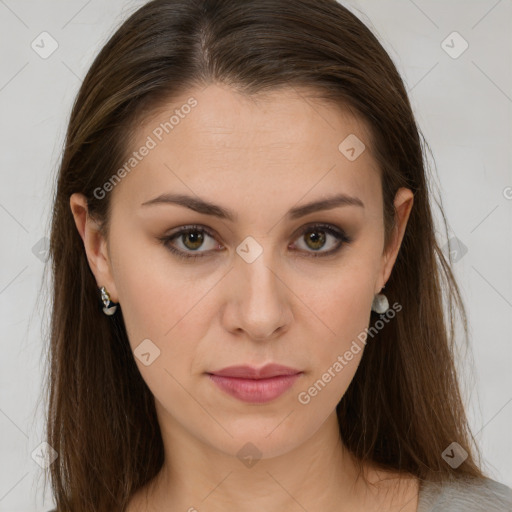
<point x="258" y="156"/>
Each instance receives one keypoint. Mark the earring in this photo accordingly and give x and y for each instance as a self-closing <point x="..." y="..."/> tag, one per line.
<point x="380" y="303"/>
<point x="105" y="297"/>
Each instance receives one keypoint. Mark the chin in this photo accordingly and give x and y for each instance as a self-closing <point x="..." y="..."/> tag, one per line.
<point x="261" y="439"/>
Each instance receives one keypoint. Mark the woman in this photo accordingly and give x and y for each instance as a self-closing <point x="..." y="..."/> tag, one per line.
<point x="248" y="289"/>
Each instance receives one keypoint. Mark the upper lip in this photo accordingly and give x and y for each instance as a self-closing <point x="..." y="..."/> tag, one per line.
<point x="250" y="372"/>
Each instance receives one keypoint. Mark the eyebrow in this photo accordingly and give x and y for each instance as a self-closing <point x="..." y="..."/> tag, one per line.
<point x="208" y="208"/>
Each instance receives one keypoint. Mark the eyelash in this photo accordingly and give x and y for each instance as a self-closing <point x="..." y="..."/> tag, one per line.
<point x="339" y="234"/>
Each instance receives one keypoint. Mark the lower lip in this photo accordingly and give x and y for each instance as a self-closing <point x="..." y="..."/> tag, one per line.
<point x="255" y="390"/>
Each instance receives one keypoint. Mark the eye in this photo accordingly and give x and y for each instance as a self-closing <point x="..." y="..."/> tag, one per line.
<point x="192" y="238"/>
<point x="316" y="237"/>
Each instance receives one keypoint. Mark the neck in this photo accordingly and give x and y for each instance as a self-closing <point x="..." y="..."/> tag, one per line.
<point x="197" y="476"/>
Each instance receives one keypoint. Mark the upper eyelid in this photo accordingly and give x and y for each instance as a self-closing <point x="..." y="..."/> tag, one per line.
<point x="199" y="227"/>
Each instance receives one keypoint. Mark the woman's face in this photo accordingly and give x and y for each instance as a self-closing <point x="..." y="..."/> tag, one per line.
<point x="267" y="286"/>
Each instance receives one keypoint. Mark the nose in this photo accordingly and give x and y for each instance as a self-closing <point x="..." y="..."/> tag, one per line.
<point x="258" y="300"/>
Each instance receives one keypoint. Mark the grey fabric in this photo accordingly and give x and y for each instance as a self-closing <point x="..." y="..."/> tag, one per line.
<point x="465" y="495"/>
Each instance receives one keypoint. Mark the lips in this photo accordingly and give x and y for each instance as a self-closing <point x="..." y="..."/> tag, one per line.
<point x="249" y="372"/>
<point x="255" y="385"/>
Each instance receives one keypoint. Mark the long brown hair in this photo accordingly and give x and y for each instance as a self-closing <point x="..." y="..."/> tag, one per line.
<point x="403" y="407"/>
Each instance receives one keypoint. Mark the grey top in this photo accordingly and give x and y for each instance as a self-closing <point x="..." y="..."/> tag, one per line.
<point x="465" y="495"/>
<point x="475" y="495"/>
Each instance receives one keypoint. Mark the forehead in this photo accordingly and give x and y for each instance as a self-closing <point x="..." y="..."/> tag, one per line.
<point x="283" y="145"/>
<point x="291" y="116"/>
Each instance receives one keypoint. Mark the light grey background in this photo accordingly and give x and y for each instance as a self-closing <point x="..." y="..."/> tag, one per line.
<point x="463" y="105"/>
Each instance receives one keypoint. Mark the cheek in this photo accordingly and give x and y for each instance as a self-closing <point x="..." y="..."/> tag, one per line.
<point x="165" y="312"/>
<point x="156" y="294"/>
<point x="343" y="311"/>
<point x="341" y="300"/>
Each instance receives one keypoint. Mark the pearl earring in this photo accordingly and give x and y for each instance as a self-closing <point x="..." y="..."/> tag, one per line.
<point x="380" y="303"/>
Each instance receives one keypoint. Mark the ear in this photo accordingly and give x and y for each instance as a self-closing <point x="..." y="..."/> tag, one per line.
<point x="403" y="202"/>
<point x="95" y="245"/>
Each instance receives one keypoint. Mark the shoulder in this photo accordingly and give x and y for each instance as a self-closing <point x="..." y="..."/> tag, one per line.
<point x="465" y="495"/>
